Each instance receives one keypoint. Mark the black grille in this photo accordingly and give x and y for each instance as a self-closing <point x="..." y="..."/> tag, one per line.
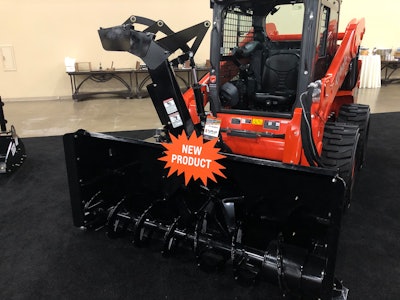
<point x="237" y="26"/>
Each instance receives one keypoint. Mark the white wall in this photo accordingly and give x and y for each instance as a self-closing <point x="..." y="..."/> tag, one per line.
<point x="381" y="18"/>
<point x="43" y="32"/>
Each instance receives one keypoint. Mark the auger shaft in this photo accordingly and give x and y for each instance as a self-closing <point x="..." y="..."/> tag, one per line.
<point x="292" y="267"/>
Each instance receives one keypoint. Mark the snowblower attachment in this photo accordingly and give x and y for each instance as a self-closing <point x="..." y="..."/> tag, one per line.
<point x="269" y="219"/>
<point x="12" y="150"/>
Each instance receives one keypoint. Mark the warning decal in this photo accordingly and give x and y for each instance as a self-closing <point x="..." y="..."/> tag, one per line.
<point x="192" y="157"/>
<point x="170" y="106"/>
<point x="175" y="120"/>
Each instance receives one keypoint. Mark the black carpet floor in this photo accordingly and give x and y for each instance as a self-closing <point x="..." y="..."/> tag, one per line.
<point x="42" y="256"/>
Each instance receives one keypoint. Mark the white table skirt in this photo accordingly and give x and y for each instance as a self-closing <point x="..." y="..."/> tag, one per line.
<point x="370" y="76"/>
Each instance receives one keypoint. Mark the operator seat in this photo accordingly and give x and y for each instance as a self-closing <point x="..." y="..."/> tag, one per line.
<point x="279" y="80"/>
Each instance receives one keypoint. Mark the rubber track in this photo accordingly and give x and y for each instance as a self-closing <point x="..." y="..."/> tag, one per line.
<point x="338" y="150"/>
<point x="357" y="114"/>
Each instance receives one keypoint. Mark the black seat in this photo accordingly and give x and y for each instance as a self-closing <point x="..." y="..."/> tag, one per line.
<point x="279" y="80"/>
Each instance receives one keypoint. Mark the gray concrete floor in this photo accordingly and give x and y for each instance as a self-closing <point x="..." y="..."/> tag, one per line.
<point x="57" y="117"/>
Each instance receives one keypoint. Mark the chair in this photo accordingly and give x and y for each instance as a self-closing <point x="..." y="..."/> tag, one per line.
<point x="279" y="80"/>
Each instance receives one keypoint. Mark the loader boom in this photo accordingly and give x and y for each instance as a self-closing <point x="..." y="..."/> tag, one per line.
<point x="343" y="73"/>
<point x="165" y="90"/>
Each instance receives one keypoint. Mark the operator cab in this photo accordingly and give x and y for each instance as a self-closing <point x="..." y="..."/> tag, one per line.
<point x="260" y="69"/>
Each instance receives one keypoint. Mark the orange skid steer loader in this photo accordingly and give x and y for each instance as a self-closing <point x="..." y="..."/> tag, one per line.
<point x="255" y="163"/>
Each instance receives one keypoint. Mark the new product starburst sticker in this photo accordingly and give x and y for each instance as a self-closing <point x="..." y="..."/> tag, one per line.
<point x="192" y="157"/>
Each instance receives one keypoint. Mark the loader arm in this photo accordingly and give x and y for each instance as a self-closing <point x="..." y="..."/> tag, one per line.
<point x="339" y="68"/>
<point x="164" y="90"/>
